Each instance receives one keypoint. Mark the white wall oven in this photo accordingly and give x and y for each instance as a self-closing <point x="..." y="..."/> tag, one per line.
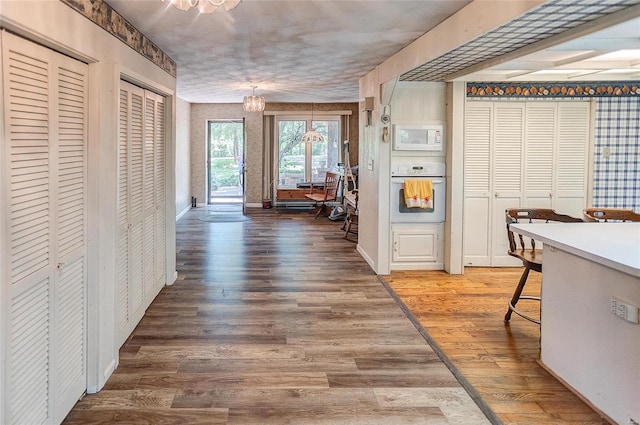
<point x="433" y="171"/>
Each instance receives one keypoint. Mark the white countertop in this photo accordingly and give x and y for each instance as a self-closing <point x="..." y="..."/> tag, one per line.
<point x="615" y="245"/>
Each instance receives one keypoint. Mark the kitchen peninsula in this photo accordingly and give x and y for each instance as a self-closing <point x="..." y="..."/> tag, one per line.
<point x="587" y="268"/>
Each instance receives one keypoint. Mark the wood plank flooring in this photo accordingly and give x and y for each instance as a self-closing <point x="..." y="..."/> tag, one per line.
<point x="275" y="320"/>
<point x="464" y="315"/>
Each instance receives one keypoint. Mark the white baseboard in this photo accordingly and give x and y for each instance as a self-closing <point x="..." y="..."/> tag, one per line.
<point x="183" y="212"/>
<point x="253" y="205"/>
<point x="175" y="277"/>
<point x="366" y="258"/>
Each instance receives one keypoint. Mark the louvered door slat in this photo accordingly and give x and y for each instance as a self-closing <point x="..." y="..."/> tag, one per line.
<point x="538" y="158"/>
<point x="507" y="152"/>
<point x="27" y="81"/>
<point x="71" y="159"/>
<point x="122" y="284"/>
<point x="136" y="157"/>
<point x="148" y="258"/>
<point x="477" y="145"/>
<point x="29" y="357"/>
<point x="159" y="182"/>
<point x="149" y="136"/>
<point x="136" y="289"/>
<point x="70" y="320"/>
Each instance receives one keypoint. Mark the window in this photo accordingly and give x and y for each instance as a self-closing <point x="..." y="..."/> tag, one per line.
<point x="304" y="162"/>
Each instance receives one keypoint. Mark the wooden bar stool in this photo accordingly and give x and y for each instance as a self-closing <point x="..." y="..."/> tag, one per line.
<point x="606" y="214"/>
<point x="530" y="256"/>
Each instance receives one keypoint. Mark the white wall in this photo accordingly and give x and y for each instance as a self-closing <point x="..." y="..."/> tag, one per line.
<point x="56" y="25"/>
<point x="183" y="156"/>
<point x="369" y="196"/>
<point x="470" y="22"/>
<point x="200" y="113"/>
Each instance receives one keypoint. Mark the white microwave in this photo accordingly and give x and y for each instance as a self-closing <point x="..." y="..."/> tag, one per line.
<point x="418" y="137"/>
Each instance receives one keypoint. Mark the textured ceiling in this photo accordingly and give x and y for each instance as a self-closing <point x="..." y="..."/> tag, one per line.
<point x="294" y="50"/>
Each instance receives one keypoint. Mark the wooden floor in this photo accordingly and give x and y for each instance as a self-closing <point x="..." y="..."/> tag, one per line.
<point x="275" y="320"/>
<point x="464" y="316"/>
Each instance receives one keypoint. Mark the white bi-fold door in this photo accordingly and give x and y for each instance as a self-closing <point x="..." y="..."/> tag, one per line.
<point x="141" y="205"/>
<point x="520" y="154"/>
<point x="43" y="214"/>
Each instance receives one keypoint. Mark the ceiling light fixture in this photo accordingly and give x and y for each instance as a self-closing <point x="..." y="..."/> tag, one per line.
<point x="312" y="136"/>
<point x="253" y="103"/>
<point x="204" y="6"/>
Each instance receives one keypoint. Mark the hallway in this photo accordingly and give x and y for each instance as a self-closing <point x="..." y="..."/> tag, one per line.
<point x="275" y="320"/>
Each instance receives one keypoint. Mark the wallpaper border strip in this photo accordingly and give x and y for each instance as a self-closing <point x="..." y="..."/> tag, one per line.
<point x="103" y="15"/>
<point x="586" y="89"/>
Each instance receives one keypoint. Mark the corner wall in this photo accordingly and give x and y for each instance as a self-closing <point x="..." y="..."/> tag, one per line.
<point x="183" y="156"/>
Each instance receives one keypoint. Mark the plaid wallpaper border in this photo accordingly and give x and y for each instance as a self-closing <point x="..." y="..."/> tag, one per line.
<point x="616" y="156"/>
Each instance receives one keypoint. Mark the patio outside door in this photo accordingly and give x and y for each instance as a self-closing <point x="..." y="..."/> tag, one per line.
<point x="225" y="163"/>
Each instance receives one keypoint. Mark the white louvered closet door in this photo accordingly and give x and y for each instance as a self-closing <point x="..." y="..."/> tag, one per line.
<point x="478" y="183"/>
<point x="524" y="154"/>
<point x="572" y="158"/>
<point x="44" y="168"/>
<point x="141" y="204"/>
<point x="507" y="170"/>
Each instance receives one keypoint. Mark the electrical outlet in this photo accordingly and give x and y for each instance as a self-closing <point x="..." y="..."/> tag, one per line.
<point x="624" y="310"/>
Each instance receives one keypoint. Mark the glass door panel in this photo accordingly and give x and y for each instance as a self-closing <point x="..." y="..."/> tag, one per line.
<point x="325" y="155"/>
<point x="292" y="161"/>
<point x="225" y="161"/>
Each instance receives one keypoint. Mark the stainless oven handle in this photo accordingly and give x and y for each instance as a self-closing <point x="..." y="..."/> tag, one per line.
<point x="434" y="181"/>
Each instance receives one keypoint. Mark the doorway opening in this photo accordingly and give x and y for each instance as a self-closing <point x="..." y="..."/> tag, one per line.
<point x="225" y="162"/>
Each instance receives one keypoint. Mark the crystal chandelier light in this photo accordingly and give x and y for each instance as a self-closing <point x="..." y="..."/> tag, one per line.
<point x="312" y="136"/>
<point x="253" y="103"/>
<point x="204" y="6"/>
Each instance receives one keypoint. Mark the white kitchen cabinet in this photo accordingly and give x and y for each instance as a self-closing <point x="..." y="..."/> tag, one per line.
<point x="417" y="246"/>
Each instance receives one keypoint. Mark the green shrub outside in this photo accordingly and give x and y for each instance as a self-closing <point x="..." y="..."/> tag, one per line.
<point x="225" y="171"/>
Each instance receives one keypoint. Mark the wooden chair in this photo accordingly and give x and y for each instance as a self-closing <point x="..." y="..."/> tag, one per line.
<point x="331" y="184"/>
<point x="530" y="255"/>
<point x="351" y="201"/>
<point x="606" y="214"/>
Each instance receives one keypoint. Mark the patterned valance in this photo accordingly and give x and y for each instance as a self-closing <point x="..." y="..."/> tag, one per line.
<point x="555" y="90"/>
<point x="101" y="14"/>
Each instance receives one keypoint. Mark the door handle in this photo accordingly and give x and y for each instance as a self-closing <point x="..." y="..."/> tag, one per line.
<point x="395" y="246"/>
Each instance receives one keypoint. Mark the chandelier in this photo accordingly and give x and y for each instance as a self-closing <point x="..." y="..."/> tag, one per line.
<point x="312" y="136"/>
<point x="253" y="103"/>
<point x="204" y="6"/>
